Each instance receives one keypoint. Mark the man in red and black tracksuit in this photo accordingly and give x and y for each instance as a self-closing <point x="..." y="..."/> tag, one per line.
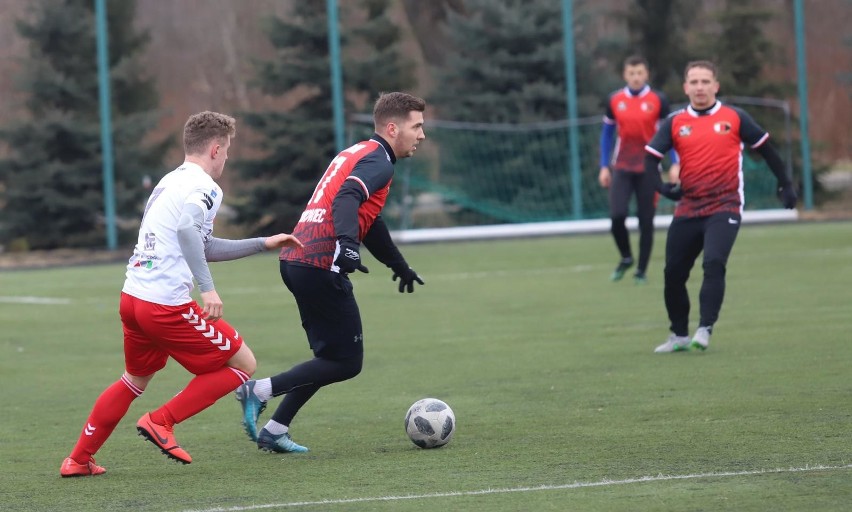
<point x="343" y="212"/>
<point x="633" y="112"/>
<point x="709" y="138"/>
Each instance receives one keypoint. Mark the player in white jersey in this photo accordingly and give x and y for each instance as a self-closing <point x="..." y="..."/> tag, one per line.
<point x="159" y="318"/>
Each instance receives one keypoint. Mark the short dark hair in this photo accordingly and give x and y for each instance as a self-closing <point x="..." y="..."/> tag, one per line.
<point x="202" y="128"/>
<point x="705" y="64"/>
<point x="396" y="105"/>
<point x="636" y="60"/>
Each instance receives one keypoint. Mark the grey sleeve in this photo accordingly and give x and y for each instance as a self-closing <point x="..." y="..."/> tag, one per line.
<point x="191" y="241"/>
<point x="220" y="249"/>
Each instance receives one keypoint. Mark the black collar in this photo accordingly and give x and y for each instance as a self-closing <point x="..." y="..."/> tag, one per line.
<point x="706" y="111"/>
<point x="378" y="138"/>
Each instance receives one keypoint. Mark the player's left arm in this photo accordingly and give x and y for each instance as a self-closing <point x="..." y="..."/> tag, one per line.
<point x="380" y="244"/>
<point x="758" y="139"/>
<point x="221" y="249"/>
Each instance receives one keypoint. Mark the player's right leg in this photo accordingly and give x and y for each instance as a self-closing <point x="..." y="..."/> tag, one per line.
<point x="646" y="196"/>
<point x="109" y="409"/>
<point x="673" y="343"/>
<point x="620" y="190"/>
<point x="684" y="243"/>
<point x="142" y="360"/>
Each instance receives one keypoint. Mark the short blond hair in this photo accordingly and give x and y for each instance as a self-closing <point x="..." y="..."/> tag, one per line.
<point x="203" y="128"/>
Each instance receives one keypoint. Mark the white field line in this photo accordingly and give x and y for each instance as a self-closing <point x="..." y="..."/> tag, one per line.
<point x="249" y="290"/>
<point x="34" y="300"/>
<point x="575" y="485"/>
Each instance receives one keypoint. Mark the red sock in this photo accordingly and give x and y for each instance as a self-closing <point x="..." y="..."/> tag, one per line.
<point x="199" y="394"/>
<point x="108" y="410"/>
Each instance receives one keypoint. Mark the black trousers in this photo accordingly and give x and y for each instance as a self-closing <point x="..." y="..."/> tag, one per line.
<point x="687" y="238"/>
<point x="625" y="184"/>
<point x="332" y="322"/>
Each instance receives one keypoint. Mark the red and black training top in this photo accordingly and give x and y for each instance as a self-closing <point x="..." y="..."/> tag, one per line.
<point x="635" y="117"/>
<point x="346" y="203"/>
<point x="710" y="145"/>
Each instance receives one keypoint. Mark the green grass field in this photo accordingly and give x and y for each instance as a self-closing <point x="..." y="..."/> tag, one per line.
<point x="560" y="401"/>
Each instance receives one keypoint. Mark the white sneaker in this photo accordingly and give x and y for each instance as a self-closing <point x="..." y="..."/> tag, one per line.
<point x="674" y="343"/>
<point x="701" y="340"/>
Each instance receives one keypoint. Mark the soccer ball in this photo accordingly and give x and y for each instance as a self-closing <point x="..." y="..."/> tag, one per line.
<point x="430" y="423"/>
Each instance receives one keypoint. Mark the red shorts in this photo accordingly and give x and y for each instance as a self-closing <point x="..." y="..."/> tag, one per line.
<point x="153" y="332"/>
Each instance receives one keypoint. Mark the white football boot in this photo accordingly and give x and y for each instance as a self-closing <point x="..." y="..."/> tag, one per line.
<point x="674" y="343"/>
<point x="701" y="340"/>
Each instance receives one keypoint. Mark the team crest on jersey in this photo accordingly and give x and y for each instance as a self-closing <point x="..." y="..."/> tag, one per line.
<point x="684" y="131"/>
<point x="646" y="107"/>
<point x="722" y="127"/>
<point x="621" y="106"/>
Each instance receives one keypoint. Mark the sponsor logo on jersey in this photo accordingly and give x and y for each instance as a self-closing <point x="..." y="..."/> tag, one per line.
<point x="621" y="106"/>
<point x="684" y="131"/>
<point x="722" y="127"/>
<point x="144" y="264"/>
<point x="316" y="215"/>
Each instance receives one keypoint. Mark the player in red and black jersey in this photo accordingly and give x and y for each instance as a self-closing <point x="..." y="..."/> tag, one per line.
<point x="343" y="212"/>
<point x="634" y="111"/>
<point x="709" y="138"/>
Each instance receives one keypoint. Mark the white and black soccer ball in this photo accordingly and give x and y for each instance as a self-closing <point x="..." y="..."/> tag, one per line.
<point x="430" y="423"/>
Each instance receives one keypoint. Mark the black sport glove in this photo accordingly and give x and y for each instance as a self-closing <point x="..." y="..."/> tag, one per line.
<point x="407" y="276"/>
<point x="672" y="191"/>
<point x="787" y="195"/>
<point x="348" y="259"/>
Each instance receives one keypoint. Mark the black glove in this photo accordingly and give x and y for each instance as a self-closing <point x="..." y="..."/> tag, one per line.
<point x="347" y="258"/>
<point x="672" y="191"/>
<point x="787" y="195"/>
<point x="406" y="276"/>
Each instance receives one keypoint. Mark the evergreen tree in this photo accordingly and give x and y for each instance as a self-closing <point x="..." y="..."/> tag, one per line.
<point x="657" y="31"/>
<point x="743" y="51"/>
<point x="297" y="145"/>
<point x="507" y="65"/>
<point x="376" y="63"/>
<point x="53" y="177"/>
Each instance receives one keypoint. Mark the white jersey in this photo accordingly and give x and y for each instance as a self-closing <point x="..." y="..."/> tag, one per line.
<point x="157" y="271"/>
